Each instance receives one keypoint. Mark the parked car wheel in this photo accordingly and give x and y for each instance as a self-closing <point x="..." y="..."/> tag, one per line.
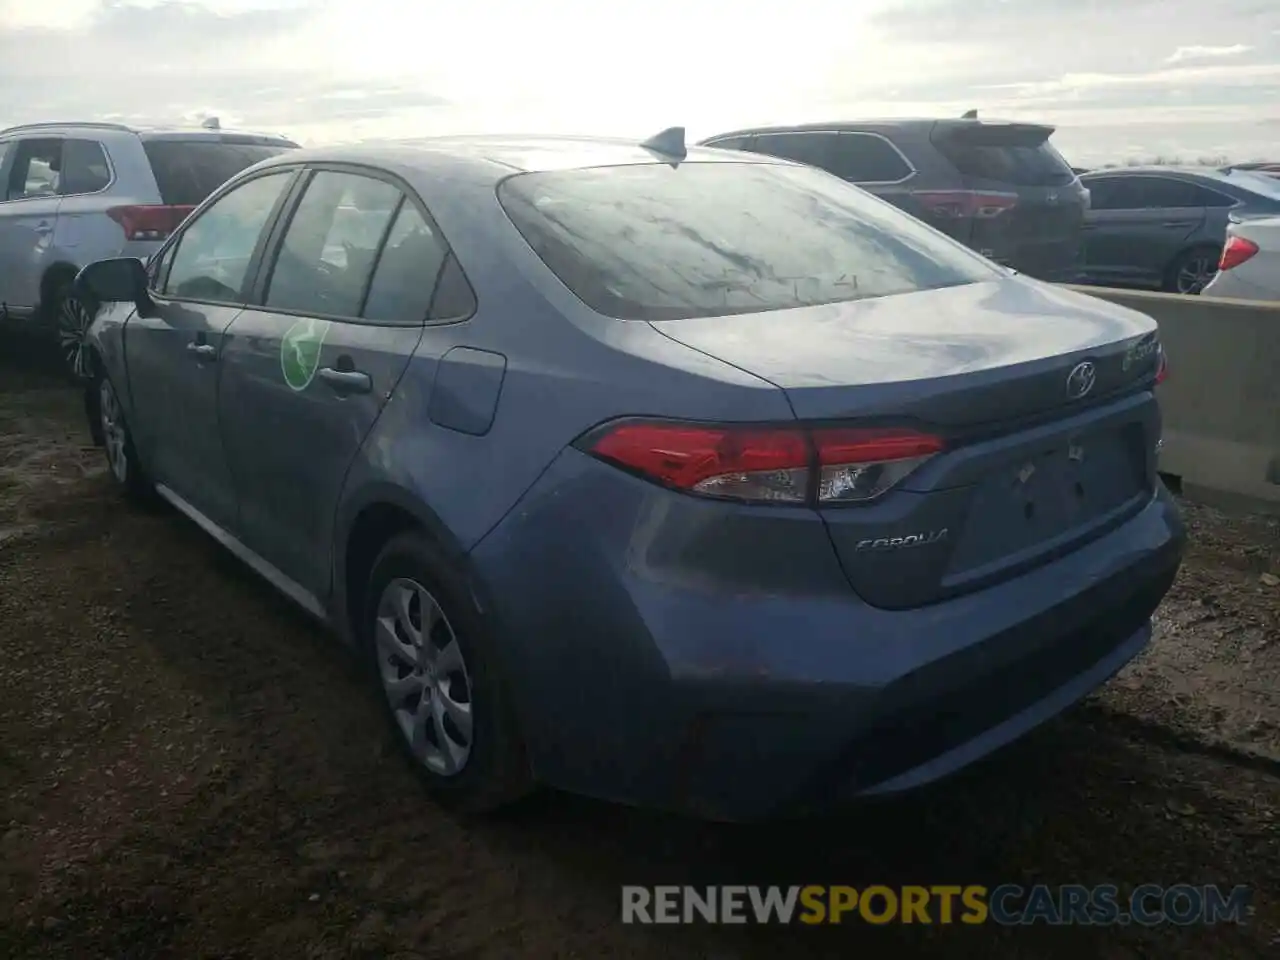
<point x="1191" y="271"/>
<point x="440" y="680"/>
<point x="72" y="316"/>
<point x="117" y="441"/>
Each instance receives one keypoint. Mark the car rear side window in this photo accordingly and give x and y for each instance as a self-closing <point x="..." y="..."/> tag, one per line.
<point x="84" y="167"/>
<point x="329" y="247"/>
<point x="866" y="158"/>
<point x="188" y="171"/>
<point x="813" y="148"/>
<point x="407" y="270"/>
<point x="648" y="242"/>
<point x="1165" y="192"/>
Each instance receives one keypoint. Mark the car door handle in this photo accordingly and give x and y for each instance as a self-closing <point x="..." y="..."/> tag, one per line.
<point x="346" y="381"/>
<point x="1176" y="223"/>
<point x="44" y="226"/>
<point x="202" y="351"/>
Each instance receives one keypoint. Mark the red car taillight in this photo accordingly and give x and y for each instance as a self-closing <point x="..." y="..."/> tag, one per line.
<point x="1236" y="252"/>
<point x="982" y="205"/>
<point x="148" y="221"/>
<point x="784" y="464"/>
<point x="1162" y="368"/>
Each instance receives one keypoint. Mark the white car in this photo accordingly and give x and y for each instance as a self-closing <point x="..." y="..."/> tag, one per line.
<point x="74" y="193"/>
<point x="1250" y="265"/>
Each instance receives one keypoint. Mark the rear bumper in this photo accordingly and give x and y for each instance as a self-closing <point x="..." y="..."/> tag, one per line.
<point x="1230" y="285"/>
<point x="639" y="679"/>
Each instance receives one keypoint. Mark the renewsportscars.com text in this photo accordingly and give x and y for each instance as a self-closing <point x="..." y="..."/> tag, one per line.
<point x="1009" y="904"/>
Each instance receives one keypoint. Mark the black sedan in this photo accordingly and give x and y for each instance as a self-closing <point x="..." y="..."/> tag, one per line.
<point x="1163" y="227"/>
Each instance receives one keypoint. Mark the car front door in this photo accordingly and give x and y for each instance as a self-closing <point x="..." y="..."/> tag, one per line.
<point x="173" y="355"/>
<point x="28" y="214"/>
<point x="307" y="369"/>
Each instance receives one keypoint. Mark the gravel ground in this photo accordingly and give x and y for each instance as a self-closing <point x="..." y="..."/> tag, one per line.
<point x="189" y="769"/>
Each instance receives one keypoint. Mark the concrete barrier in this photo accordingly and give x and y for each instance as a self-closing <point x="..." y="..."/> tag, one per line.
<point x="1221" y="402"/>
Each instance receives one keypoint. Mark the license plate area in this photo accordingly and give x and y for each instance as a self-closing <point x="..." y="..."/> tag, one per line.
<point x="1067" y="485"/>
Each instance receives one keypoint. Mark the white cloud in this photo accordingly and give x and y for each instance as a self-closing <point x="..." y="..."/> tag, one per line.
<point x="1202" y="53"/>
<point x="351" y="69"/>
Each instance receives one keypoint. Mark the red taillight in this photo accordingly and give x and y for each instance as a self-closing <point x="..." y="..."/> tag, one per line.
<point x="766" y="464"/>
<point x="965" y="203"/>
<point x="148" y="221"/>
<point x="1162" y="368"/>
<point x="1236" y="252"/>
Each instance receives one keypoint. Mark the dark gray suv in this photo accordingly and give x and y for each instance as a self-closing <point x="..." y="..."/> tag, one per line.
<point x="999" y="187"/>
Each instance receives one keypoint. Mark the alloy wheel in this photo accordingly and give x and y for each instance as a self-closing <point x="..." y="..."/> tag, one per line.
<point x="113" y="431"/>
<point x="73" y="322"/>
<point x="1195" y="273"/>
<point x="425" y="678"/>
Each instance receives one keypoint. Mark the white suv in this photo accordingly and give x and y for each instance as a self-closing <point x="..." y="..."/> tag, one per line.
<point x="73" y="193"/>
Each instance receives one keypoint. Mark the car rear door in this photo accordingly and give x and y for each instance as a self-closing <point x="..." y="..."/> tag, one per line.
<point x="1028" y="206"/>
<point x="338" y="309"/>
<point x="173" y="354"/>
<point x="82" y="223"/>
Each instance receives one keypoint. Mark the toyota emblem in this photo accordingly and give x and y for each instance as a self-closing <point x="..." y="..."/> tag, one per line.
<point x="1080" y="380"/>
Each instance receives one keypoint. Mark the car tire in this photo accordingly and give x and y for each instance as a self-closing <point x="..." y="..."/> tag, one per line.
<point x="442" y="688"/>
<point x="71" y="316"/>
<point x="123" y="464"/>
<point x="1191" y="270"/>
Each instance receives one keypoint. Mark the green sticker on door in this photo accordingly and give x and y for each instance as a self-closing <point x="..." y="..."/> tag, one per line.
<point x="300" y="352"/>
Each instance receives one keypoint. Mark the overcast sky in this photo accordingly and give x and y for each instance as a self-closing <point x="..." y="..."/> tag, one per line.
<point x="1120" y="79"/>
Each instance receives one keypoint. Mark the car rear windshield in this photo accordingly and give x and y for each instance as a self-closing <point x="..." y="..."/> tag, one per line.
<point x="649" y="242"/>
<point x="1258" y="183"/>
<point x="1021" y="156"/>
<point x="187" y="171"/>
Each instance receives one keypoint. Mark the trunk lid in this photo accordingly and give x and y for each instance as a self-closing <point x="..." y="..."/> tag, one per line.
<point x="1030" y="470"/>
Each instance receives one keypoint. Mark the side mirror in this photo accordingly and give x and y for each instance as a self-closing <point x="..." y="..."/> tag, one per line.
<point x="119" y="280"/>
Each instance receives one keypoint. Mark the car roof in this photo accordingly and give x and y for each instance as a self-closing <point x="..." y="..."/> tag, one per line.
<point x="494" y="157"/>
<point x="141" y="129"/>
<point x="855" y="125"/>
<point x="1211" y="173"/>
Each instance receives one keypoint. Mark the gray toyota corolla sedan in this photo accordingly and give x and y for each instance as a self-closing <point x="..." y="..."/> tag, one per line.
<point x="685" y="478"/>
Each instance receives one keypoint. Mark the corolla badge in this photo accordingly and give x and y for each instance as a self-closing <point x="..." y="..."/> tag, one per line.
<point x="922" y="539"/>
<point x="1080" y="380"/>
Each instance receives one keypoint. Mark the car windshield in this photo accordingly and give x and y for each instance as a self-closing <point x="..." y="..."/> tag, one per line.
<point x="653" y="242"/>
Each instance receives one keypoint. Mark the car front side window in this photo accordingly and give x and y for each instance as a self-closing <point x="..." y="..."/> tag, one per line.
<point x="212" y="256"/>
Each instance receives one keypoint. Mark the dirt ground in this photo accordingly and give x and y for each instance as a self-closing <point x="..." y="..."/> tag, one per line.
<point x="188" y="769"/>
